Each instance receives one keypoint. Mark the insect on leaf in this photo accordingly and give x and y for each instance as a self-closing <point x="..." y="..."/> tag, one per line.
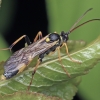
<point x="50" y="79"/>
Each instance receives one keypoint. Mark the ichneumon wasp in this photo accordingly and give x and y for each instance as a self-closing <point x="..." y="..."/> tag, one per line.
<point x="44" y="46"/>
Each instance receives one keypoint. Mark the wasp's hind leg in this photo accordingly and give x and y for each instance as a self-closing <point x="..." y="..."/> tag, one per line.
<point x="26" y="39"/>
<point x="39" y="35"/>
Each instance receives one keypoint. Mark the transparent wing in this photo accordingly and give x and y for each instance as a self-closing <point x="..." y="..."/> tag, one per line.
<point x="24" y="55"/>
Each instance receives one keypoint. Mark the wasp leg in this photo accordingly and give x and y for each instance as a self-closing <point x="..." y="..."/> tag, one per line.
<point x="39" y="35"/>
<point x="59" y="57"/>
<point x="64" y="44"/>
<point x="51" y="51"/>
<point x="41" y="56"/>
<point x="26" y="39"/>
<point x="34" y="71"/>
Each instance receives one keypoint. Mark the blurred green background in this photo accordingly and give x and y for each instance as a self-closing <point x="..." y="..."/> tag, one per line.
<point x="62" y="14"/>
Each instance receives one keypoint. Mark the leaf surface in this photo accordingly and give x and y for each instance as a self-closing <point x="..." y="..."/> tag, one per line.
<point x="50" y="78"/>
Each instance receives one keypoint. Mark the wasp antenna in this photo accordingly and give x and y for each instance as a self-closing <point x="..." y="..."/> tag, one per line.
<point x="84" y="23"/>
<point x="80" y="19"/>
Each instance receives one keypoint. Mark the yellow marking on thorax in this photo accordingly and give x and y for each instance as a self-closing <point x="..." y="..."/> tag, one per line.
<point x="47" y="39"/>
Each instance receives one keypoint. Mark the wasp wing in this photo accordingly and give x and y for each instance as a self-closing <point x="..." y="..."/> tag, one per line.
<point x="25" y="55"/>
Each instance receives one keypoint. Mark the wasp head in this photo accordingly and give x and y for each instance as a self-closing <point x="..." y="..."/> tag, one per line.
<point x="64" y="36"/>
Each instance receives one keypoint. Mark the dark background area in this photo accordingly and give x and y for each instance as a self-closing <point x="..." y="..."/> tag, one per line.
<point x="30" y="17"/>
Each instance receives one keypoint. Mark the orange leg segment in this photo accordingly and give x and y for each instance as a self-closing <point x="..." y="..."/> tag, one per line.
<point x="59" y="57"/>
<point x="64" y="44"/>
<point x="14" y="43"/>
<point x="39" y="35"/>
<point x="34" y="71"/>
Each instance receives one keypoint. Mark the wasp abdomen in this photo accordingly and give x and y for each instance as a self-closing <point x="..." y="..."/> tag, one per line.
<point x="8" y="75"/>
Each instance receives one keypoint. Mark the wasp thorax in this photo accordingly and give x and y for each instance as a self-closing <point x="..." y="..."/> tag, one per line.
<point x="53" y="37"/>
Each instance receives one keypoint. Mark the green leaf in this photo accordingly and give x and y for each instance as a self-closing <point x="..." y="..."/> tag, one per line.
<point x="50" y="79"/>
<point x="28" y="96"/>
<point x="0" y="2"/>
